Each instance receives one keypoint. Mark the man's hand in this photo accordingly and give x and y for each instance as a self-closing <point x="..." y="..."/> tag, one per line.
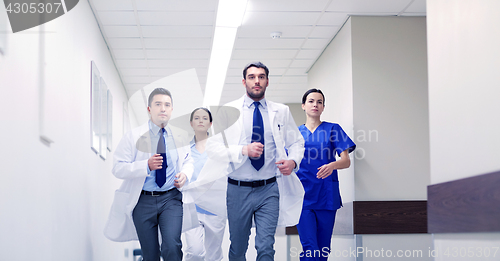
<point x="155" y="162"/>
<point x="253" y="150"/>
<point x="286" y="166"/>
<point x="180" y="180"/>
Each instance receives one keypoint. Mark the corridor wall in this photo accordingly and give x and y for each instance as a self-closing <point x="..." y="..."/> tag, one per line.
<point x="55" y="197"/>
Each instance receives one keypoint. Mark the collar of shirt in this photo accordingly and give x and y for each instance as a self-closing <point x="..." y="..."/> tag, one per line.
<point x="155" y="130"/>
<point x="192" y="143"/>
<point x="247" y="102"/>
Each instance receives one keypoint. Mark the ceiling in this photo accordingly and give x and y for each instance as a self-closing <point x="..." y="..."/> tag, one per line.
<point x="152" y="39"/>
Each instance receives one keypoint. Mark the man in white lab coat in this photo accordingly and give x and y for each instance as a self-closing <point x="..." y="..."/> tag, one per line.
<point x="154" y="162"/>
<point x="262" y="149"/>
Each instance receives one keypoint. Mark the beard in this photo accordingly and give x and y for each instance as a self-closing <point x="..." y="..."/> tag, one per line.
<point x="256" y="95"/>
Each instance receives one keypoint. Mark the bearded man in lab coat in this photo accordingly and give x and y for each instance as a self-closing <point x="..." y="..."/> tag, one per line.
<point x="259" y="153"/>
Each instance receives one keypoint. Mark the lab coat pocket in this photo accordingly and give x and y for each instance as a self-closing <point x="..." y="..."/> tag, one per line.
<point x="120" y="203"/>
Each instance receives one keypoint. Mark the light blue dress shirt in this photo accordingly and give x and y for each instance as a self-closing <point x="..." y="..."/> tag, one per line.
<point x="199" y="161"/>
<point x="150" y="183"/>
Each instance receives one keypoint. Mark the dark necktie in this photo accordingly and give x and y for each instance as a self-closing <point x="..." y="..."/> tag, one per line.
<point x="161" y="174"/>
<point x="258" y="135"/>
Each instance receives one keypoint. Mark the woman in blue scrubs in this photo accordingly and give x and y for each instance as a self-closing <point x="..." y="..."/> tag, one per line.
<point x="318" y="174"/>
<point x="203" y="242"/>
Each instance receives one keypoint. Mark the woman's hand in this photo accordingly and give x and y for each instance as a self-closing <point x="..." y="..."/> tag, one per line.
<point x="325" y="171"/>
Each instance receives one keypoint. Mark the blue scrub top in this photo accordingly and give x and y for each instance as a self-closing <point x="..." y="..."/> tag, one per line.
<point x="320" y="148"/>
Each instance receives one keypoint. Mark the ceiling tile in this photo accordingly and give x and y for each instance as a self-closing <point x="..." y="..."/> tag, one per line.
<point x="325" y="32"/>
<point x="177" y="31"/>
<point x="297" y="71"/>
<point x="331" y="18"/>
<point x="186" y="43"/>
<point x="278" y="71"/>
<point x="131" y="63"/>
<point x="316" y="43"/>
<point x="114" y="5"/>
<point x="370" y="6"/>
<point x="134" y="71"/>
<point x="270" y="63"/>
<point x="129" y="54"/>
<point x="121" y="31"/>
<point x="261" y="54"/>
<point x="233" y="80"/>
<point x="309" y="54"/>
<point x="177" y="5"/>
<point x="176" y="18"/>
<point x="178" y="36"/>
<point x="174" y="63"/>
<point x="117" y="17"/>
<point x="281" y="18"/>
<point x="249" y="43"/>
<point x="302" y="63"/>
<point x="286" y="5"/>
<point x="133" y="87"/>
<point x="120" y="43"/>
<point x="293" y="79"/>
<point x="178" y="54"/>
<point x="235" y="72"/>
<point x="169" y="71"/>
<point x="266" y="30"/>
<point x="418" y="6"/>
<point x="136" y="79"/>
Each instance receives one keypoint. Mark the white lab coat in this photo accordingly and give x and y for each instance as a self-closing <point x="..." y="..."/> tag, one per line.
<point x="209" y="190"/>
<point x="130" y="163"/>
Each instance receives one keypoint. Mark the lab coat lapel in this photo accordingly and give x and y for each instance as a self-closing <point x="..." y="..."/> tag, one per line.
<point x="271" y="110"/>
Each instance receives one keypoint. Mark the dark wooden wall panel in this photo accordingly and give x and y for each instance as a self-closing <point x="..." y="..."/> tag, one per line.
<point x="386" y="217"/>
<point x="390" y="217"/>
<point x="465" y="205"/>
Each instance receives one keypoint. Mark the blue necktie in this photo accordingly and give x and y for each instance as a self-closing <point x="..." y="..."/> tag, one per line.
<point x="258" y="135"/>
<point x="161" y="174"/>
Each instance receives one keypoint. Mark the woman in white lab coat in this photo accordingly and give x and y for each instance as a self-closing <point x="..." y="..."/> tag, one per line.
<point x="203" y="242"/>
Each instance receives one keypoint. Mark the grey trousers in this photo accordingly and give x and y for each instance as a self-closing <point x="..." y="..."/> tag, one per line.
<point x="165" y="212"/>
<point x="261" y="204"/>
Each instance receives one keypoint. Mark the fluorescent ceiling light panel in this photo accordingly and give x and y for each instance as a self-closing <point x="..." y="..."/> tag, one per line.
<point x="230" y="13"/>
<point x="229" y="16"/>
<point x="222" y="49"/>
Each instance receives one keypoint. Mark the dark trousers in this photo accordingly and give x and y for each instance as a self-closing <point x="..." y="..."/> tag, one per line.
<point x="315" y="232"/>
<point x="163" y="212"/>
<point x="243" y="205"/>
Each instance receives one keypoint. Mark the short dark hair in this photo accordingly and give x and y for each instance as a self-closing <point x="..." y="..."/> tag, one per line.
<point x="257" y="65"/>
<point x="157" y="91"/>
<point x="201" y="108"/>
<point x="311" y="91"/>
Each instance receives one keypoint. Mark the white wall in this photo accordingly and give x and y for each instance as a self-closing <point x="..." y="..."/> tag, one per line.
<point x="332" y="73"/>
<point x="390" y="108"/>
<point x="374" y="76"/>
<point x="54" y="200"/>
<point x="464" y="80"/>
<point x="464" y="88"/>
